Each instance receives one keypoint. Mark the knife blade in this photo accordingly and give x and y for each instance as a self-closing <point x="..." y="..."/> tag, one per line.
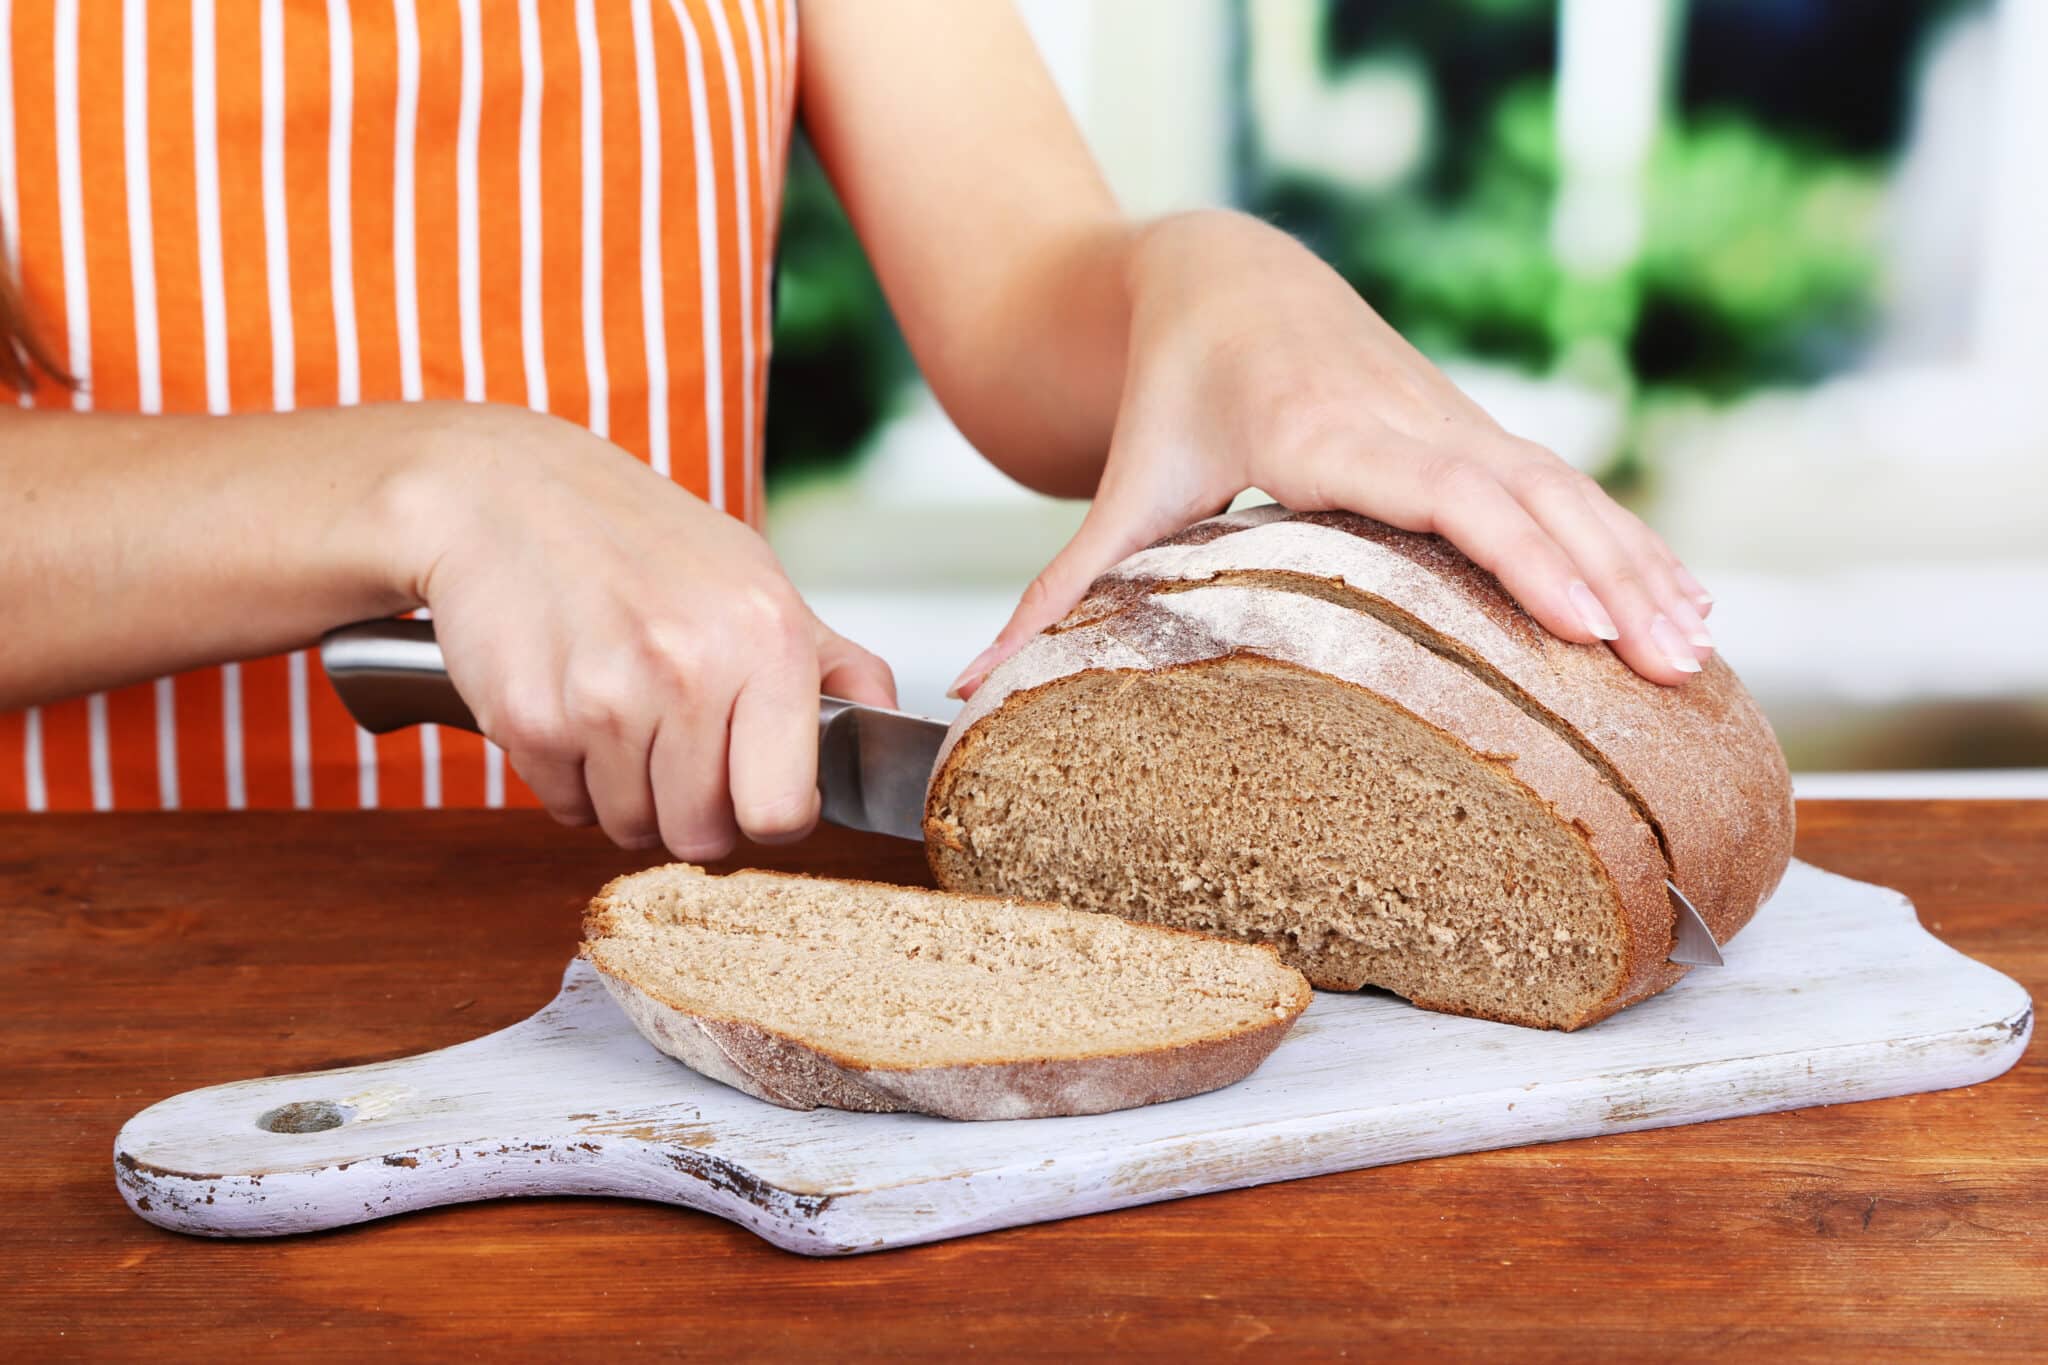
<point x="1692" y="943"/>
<point x="873" y="763"/>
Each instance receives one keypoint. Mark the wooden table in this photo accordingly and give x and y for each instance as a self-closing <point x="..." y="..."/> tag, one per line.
<point x="142" y="955"/>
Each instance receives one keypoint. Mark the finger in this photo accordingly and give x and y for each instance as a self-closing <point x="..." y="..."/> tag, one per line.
<point x="1694" y="589"/>
<point x="605" y="717"/>
<point x="846" y="670"/>
<point x="557" y="782"/>
<point x="1120" y="522"/>
<point x="526" y="721"/>
<point x="1633" y="588"/>
<point x="774" y="749"/>
<point x="1633" y="529"/>
<point x="621" y="792"/>
<point x="1629" y="526"/>
<point x="1554" y="492"/>
<point x="1673" y="595"/>
<point x="1412" y="485"/>
<point x="687" y="765"/>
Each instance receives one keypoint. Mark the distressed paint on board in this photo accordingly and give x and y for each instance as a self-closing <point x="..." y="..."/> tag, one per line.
<point x="1835" y="993"/>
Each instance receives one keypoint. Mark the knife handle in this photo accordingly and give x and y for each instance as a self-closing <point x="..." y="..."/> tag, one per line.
<point x="390" y="674"/>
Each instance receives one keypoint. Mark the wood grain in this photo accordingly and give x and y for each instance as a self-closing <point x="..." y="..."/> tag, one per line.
<point x="148" y="954"/>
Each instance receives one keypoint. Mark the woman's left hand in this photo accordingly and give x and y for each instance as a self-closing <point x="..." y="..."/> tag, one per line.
<point x="1251" y="364"/>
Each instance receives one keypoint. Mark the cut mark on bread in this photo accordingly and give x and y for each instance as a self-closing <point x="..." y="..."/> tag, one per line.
<point x="1342" y="594"/>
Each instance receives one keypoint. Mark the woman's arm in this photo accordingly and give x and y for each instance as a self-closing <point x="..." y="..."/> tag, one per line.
<point x="995" y="236"/>
<point x="639" y="654"/>
<point x="138" y="546"/>
<point x="1165" y="367"/>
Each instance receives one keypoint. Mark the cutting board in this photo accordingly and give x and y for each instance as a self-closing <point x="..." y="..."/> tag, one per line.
<point x="1834" y="994"/>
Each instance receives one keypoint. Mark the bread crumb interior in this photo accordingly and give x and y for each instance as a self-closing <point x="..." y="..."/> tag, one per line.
<point x="900" y="977"/>
<point x="1267" y="803"/>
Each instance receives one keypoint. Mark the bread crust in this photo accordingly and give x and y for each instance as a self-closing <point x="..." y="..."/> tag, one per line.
<point x="1699" y="760"/>
<point x="785" y="1070"/>
<point x="1158" y="635"/>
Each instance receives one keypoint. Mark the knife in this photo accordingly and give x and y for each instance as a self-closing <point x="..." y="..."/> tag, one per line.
<point x="873" y="764"/>
<point x="1692" y="943"/>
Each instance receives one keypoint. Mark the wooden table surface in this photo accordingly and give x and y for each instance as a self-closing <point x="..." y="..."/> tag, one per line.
<point x="144" y="955"/>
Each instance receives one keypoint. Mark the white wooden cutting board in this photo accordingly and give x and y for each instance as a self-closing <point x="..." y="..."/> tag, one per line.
<point x="1835" y="993"/>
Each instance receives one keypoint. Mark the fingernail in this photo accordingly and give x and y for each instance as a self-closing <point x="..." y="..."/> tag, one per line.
<point x="1665" y="637"/>
<point x="972" y="674"/>
<point x="1691" y="626"/>
<point x="1591" y="612"/>
<point x="1694" y="589"/>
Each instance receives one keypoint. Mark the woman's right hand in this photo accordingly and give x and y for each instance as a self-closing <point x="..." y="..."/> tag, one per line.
<point x="638" y="654"/>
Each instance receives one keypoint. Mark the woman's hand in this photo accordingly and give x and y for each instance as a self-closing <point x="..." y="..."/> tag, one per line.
<point x="1207" y="353"/>
<point x="1252" y="364"/>
<point x="639" y="655"/>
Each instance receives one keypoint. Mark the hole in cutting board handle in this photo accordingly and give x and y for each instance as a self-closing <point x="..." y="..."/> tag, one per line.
<point x="305" y="1116"/>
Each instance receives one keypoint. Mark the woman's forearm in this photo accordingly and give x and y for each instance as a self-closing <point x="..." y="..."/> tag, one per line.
<point x="639" y="654"/>
<point x="1001" y="249"/>
<point x="136" y="546"/>
<point x="1037" y="376"/>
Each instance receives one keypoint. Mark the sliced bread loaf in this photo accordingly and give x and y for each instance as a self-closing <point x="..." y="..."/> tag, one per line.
<point x="1725" y="825"/>
<point x="805" y="991"/>
<point x="1348" y="743"/>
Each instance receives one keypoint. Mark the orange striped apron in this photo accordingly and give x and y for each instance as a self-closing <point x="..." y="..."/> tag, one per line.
<point x="258" y="205"/>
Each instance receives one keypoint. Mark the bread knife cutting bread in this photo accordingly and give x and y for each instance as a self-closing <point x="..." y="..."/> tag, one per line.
<point x="1304" y="731"/>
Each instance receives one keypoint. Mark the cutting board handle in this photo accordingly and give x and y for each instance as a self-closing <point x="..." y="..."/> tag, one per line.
<point x="568" y="1101"/>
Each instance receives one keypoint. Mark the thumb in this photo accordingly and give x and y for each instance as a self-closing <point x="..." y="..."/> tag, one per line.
<point x="1119" y="522"/>
<point x="846" y="670"/>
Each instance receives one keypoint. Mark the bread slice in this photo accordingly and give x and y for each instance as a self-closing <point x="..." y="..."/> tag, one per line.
<point x="807" y="991"/>
<point x="1402" y="790"/>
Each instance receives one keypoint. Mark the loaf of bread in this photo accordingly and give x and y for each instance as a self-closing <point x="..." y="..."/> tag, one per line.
<point x="804" y="991"/>
<point x="1317" y="732"/>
